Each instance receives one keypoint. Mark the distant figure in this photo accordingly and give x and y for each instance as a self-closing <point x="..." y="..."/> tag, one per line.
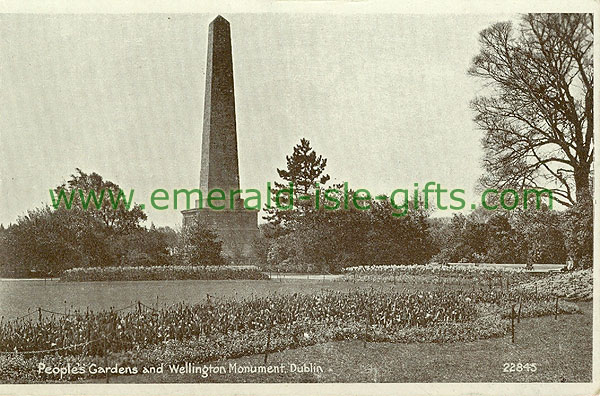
<point x="570" y="264"/>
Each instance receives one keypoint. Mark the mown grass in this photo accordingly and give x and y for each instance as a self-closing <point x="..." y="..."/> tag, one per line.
<point x="20" y="297"/>
<point x="562" y="350"/>
<point x="168" y="272"/>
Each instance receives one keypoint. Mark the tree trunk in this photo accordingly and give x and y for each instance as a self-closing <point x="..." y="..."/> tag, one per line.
<point x="582" y="183"/>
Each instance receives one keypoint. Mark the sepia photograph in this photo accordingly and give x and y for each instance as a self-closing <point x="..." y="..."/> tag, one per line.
<point x="254" y="197"/>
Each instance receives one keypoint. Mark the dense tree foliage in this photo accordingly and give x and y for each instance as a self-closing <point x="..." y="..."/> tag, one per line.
<point x="46" y="241"/>
<point x="509" y="237"/>
<point x="308" y="238"/>
<point x="114" y="208"/>
<point x="579" y="234"/>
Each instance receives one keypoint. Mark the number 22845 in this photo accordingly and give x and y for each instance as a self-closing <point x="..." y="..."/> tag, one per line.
<point x="519" y="367"/>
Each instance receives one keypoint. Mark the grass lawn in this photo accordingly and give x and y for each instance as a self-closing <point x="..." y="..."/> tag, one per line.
<point x="20" y="297"/>
<point x="562" y="350"/>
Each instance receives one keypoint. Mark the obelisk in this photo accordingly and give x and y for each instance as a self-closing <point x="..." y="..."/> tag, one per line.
<point x="219" y="169"/>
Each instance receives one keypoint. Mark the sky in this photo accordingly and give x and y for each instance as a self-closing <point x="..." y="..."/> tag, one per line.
<point x="385" y="98"/>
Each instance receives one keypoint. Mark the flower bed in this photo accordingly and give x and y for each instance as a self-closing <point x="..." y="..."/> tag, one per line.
<point x="437" y="274"/>
<point x="141" y="327"/>
<point x="223" y="328"/>
<point x="576" y="285"/>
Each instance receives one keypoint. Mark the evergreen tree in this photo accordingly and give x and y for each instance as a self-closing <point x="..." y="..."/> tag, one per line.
<point x="304" y="170"/>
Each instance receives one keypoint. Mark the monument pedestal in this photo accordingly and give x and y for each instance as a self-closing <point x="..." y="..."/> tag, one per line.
<point x="237" y="229"/>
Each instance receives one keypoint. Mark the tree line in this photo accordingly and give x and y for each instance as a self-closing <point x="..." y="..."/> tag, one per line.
<point x="46" y="241"/>
<point x="536" y="118"/>
<point x="535" y="112"/>
<point x="326" y="241"/>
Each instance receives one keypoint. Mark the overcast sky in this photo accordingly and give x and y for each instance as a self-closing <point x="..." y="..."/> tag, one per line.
<point x="385" y="98"/>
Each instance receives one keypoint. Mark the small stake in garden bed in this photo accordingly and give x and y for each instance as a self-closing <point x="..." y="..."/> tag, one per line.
<point x="89" y="338"/>
<point x="556" y="309"/>
<point x="512" y="323"/>
<point x="367" y="323"/>
<point x="106" y="358"/>
<point x="268" y="343"/>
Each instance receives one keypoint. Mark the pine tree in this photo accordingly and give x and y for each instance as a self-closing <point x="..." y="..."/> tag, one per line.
<point x="304" y="170"/>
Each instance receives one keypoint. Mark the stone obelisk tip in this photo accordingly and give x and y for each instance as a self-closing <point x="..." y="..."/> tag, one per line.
<point x="219" y="19"/>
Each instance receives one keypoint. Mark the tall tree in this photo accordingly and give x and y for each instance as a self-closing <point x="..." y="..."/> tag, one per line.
<point x="116" y="210"/>
<point x="538" y="114"/>
<point x="304" y="169"/>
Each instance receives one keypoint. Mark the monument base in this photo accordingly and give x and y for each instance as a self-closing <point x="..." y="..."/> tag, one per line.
<point x="237" y="229"/>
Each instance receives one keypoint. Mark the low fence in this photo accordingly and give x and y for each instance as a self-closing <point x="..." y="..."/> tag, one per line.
<point x="542" y="268"/>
